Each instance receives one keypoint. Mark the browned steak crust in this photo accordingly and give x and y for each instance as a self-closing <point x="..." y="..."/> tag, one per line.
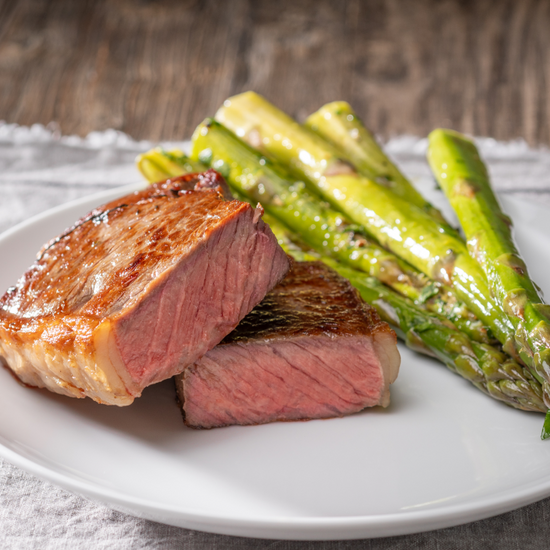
<point x="138" y="289"/>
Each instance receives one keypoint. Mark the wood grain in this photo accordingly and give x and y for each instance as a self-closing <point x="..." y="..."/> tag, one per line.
<point x="156" y="69"/>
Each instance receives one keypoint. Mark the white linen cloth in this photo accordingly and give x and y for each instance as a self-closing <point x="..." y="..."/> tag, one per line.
<point x="40" y="169"/>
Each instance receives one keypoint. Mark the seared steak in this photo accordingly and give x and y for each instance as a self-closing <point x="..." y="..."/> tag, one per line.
<point x="138" y="289"/>
<point x="311" y="349"/>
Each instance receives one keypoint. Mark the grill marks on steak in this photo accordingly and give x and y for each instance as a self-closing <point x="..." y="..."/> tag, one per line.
<point x="138" y="289"/>
<point x="311" y="349"/>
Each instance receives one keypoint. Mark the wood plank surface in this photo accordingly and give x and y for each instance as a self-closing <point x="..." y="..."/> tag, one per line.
<point x="154" y="69"/>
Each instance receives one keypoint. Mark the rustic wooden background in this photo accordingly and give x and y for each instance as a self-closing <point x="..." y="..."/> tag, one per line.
<point x="154" y="69"/>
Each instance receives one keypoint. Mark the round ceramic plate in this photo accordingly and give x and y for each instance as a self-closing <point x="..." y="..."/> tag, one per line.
<point x="441" y="454"/>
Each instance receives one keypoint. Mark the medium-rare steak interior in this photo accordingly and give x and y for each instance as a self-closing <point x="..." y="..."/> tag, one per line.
<point x="311" y="349"/>
<point x="138" y="289"/>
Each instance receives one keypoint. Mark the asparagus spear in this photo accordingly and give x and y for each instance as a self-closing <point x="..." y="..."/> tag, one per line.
<point x="397" y="225"/>
<point x="338" y="124"/>
<point x="463" y="177"/>
<point x="158" y="164"/>
<point x="320" y="226"/>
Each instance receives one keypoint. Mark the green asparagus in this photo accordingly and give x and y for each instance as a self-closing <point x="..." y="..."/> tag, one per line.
<point x="158" y="164"/>
<point x="338" y="124"/>
<point x="463" y="177"/>
<point x="399" y="226"/>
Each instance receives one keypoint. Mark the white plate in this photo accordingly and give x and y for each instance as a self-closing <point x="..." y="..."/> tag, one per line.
<point x="442" y="454"/>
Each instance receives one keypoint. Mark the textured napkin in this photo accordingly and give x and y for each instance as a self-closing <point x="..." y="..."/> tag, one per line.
<point x="40" y="169"/>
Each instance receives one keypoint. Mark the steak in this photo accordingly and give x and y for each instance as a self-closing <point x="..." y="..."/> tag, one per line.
<point x="138" y="289"/>
<point x="311" y="349"/>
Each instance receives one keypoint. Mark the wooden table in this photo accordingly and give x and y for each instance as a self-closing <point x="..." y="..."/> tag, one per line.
<point x="156" y="69"/>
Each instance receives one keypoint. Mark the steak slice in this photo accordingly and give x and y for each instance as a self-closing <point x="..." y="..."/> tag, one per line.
<point x="138" y="289"/>
<point x="311" y="349"/>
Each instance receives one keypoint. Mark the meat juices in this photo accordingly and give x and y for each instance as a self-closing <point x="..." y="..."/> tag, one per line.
<point x="311" y="349"/>
<point x="137" y="290"/>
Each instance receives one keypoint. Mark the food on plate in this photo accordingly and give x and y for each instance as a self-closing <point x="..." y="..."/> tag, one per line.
<point x="76" y="320"/>
<point x="331" y="187"/>
<point x="311" y="349"/>
<point x="155" y="164"/>
<point x="137" y="290"/>
<point x="487" y="367"/>
<point x="464" y="179"/>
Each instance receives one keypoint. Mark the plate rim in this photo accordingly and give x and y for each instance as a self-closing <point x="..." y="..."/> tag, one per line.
<point x="299" y="528"/>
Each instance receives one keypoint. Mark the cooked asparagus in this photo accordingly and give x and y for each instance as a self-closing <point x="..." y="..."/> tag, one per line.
<point x="463" y="177"/>
<point x="157" y="163"/>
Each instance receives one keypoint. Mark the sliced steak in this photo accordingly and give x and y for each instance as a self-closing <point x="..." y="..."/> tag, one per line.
<point x="138" y="289"/>
<point x="311" y="349"/>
